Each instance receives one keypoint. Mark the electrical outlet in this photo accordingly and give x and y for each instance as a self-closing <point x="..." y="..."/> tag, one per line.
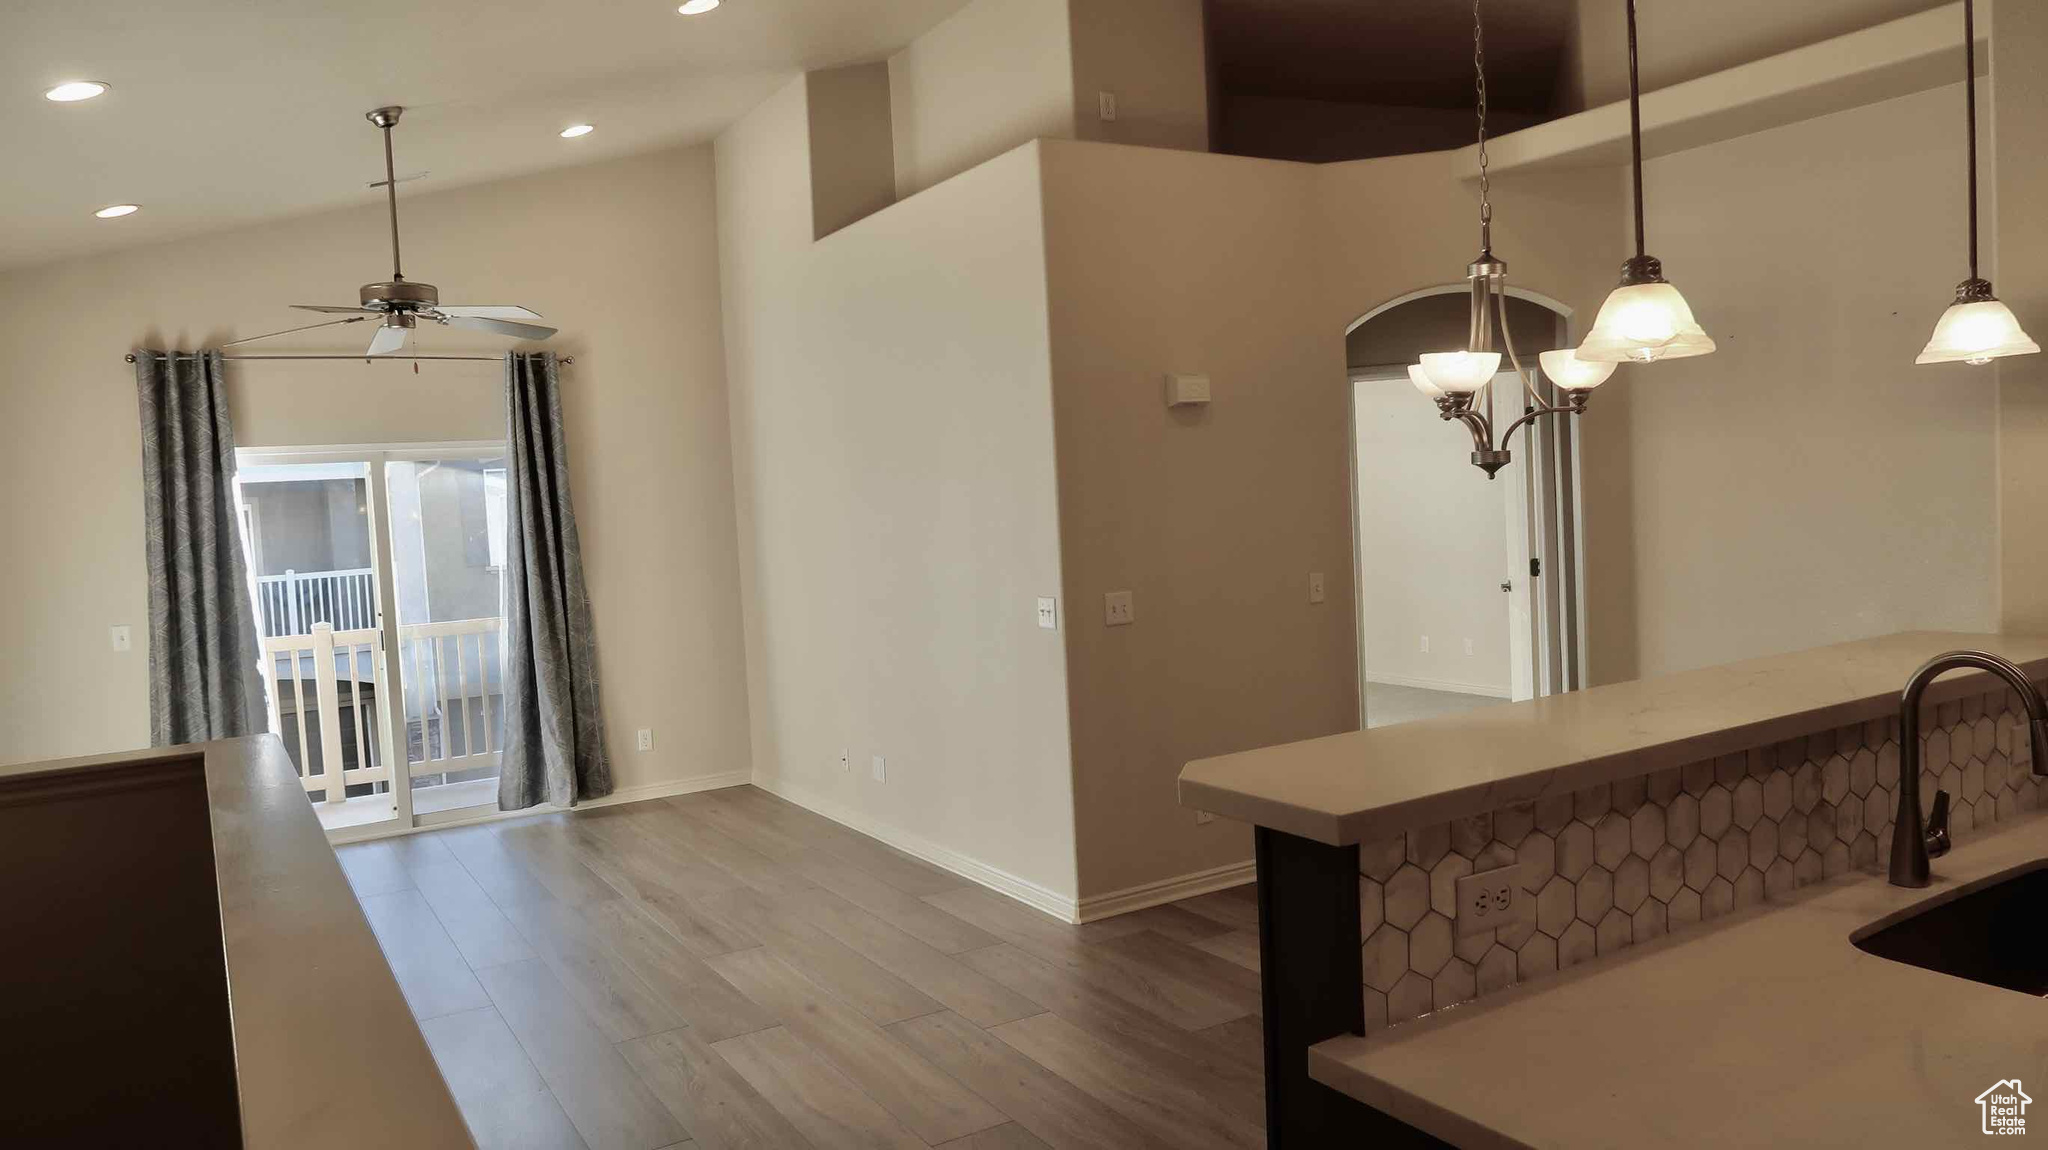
<point x="1424" y="648"/>
<point x="1048" y="612"/>
<point x="645" y="739"/>
<point x="881" y="769"/>
<point x="1118" y="610"/>
<point x="1105" y="103"/>
<point x="121" y="637"/>
<point x="1315" y="586"/>
<point x="1493" y="899"/>
<point x="1468" y="646"/>
<point x="845" y="759"/>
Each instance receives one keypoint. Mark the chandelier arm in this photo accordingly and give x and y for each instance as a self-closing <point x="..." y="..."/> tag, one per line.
<point x="1480" y="427"/>
<point x="1576" y="408"/>
<point x="1507" y="339"/>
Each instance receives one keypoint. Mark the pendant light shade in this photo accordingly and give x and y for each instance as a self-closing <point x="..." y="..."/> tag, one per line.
<point x="1977" y="331"/>
<point x="1420" y="379"/>
<point x="1645" y="319"/>
<point x="1460" y="372"/>
<point x="1568" y="371"/>
<point x="1643" y="323"/>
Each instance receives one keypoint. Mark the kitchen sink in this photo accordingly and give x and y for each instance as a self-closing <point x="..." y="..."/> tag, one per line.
<point x="1994" y="932"/>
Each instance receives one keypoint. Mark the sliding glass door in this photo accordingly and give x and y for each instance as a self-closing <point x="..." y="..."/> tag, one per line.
<point x="379" y="591"/>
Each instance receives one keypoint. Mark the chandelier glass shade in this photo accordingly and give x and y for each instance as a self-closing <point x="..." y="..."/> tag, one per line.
<point x="1564" y="368"/>
<point x="1421" y="380"/>
<point x="1460" y="372"/>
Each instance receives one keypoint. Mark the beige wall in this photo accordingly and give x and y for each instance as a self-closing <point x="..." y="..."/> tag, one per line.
<point x="995" y="74"/>
<point x="1808" y="483"/>
<point x="892" y="430"/>
<point x="1214" y="516"/>
<point x="621" y="255"/>
<point x="853" y="155"/>
<point x="1152" y="54"/>
<point x="1683" y="39"/>
<point x="2017" y="145"/>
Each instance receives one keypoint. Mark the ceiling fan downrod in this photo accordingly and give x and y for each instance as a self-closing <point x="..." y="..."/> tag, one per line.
<point x="386" y="118"/>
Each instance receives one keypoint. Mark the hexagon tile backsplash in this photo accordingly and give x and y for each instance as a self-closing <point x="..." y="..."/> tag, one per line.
<point x="1625" y="862"/>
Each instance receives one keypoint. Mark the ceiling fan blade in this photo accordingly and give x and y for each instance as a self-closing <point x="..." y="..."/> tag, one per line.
<point x="488" y="311"/>
<point x="334" y="310"/>
<point x="502" y="327"/>
<point x="388" y="340"/>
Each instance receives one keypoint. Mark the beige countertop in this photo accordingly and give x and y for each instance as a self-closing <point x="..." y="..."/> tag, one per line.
<point x="1364" y="785"/>
<point x="1765" y="1029"/>
<point x="326" y="1051"/>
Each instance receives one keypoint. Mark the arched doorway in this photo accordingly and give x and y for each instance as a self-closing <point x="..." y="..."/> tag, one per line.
<point x="1468" y="590"/>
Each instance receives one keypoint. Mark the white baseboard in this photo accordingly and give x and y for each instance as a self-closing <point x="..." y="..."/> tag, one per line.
<point x="1002" y="882"/>
<point x="637" y="794"/>
<point x="1124" y="901"/>
<point x="1031" y="894"/>
<point x="1438" y="685"/>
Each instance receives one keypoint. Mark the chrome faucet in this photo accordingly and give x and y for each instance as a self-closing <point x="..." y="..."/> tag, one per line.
<point x="1912" y="843"/>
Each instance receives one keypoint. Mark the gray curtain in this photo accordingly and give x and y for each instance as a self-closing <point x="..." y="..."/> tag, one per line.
<point x="205" y="680"/>
<point x="554" y="718"/>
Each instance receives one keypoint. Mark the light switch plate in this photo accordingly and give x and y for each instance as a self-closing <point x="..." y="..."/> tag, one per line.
<point x="881" y="766"/>
<point x="122" y="638"/>
<point x="845" y="758"/>
<point x="1118" y="609"/>
<point x="1315" y="586"/>
<point x="1493" y="899"/>
<point x="1048" y="612"/>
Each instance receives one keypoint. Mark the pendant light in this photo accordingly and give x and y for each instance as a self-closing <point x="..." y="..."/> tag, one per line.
<point x="1645" y="319"/>
<point x="1977" y="328"/>
<point x="1456" y="379"/>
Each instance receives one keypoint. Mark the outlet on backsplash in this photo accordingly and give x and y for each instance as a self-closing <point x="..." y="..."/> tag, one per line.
<point x="1491" y="900"/>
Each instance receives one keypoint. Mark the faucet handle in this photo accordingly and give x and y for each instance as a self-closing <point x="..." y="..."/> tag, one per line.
<point x="1937" y="827"/>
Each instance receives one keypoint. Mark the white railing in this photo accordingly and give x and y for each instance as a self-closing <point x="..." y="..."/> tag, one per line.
<point x="454" y="684"/>
<point x="293" y="602"/>
<point x="328" y="659"/>
<point x="452" y="674"/>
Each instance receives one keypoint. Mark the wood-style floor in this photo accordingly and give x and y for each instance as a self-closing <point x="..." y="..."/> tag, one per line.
<point x="726" y="970"/>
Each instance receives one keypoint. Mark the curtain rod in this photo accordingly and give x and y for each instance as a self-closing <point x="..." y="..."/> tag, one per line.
<point x="564" y="360"/>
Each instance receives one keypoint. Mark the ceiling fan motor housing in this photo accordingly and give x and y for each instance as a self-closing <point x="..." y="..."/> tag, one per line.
<point x="400" y="295"/>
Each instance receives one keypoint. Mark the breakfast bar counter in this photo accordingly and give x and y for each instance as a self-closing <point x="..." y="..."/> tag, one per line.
<point x="1632" y="814"/>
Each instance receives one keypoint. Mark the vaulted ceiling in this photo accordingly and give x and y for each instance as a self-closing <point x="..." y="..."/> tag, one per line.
<point x="225" y="112"/>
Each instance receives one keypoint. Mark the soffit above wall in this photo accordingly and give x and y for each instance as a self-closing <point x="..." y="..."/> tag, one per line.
<point x="225" y="113"/>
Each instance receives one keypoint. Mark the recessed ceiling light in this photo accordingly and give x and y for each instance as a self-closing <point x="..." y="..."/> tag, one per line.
<point x="116" y="210"/>
<point x="697" y="7"/>
<point x="73" y="91"/>
<point x="575" y="130"/>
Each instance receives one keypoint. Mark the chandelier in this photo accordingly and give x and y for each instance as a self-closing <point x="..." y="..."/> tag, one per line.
<point x="1456" y="379"/>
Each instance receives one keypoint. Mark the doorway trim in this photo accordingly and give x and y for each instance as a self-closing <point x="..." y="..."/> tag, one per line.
<point x="1576" y="634"/>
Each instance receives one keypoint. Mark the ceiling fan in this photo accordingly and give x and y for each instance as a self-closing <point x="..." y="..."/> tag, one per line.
<point x="403" y="303"/>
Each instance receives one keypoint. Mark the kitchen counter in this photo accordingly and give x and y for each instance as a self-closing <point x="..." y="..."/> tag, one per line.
<point x="315" y="1047"/>
<point x="1363" y="785"/>
<point x="1767" y="1029"/>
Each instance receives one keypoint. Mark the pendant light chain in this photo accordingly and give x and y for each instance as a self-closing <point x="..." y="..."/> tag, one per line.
<point x="1485" y="184"/>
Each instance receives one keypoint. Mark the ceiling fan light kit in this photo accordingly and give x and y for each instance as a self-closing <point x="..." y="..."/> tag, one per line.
<point x="402" y="303"/>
